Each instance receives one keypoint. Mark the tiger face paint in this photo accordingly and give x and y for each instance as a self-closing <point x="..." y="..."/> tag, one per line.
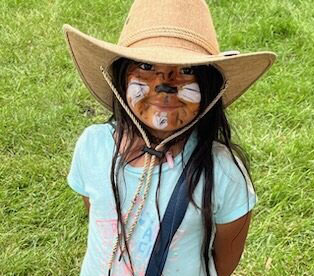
<point x="165" y="98"/>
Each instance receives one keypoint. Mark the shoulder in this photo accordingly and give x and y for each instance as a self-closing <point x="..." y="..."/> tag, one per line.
<point x="225" y="165"/>
<point x="91" y="153"/>
<point x="96" y="131"/>
<point x="95" y="135"/>
<point x="221" y="152"/>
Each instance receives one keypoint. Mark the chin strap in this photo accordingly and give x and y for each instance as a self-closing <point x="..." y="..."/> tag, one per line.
<point x="151" y="151"/>
<point x="149" y="163"/>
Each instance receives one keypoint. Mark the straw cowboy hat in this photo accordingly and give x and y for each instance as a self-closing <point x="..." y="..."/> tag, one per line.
<point x="173" y="32"/>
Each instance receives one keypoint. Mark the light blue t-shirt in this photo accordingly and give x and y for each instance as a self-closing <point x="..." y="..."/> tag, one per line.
<point x="90" y="176"/>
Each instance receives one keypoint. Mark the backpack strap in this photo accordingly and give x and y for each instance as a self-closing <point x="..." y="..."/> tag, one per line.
<point x="171" y="221"/>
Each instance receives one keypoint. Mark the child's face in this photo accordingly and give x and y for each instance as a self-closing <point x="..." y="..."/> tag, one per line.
<point x="165" y="98"/>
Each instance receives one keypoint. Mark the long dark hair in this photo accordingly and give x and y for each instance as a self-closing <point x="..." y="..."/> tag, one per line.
<point x="214" y="126"/>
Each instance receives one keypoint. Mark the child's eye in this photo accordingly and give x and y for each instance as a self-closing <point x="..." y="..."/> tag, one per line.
<point x="187" y="71"/>
<point x="146" y="66"/>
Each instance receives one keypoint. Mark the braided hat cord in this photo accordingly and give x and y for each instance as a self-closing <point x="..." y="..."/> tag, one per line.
<point x="149" y="163"/>
<point x="126" y="219"/>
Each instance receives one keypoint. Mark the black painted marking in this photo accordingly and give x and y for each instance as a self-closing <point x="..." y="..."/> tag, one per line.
<point x="166" y="88"/>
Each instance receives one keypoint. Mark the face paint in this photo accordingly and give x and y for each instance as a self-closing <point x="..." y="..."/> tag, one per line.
<point x="160" y="120"/>
<point x="136" y="91"/>
<point x="190" y="93"/>
<point x="164" y="98"/>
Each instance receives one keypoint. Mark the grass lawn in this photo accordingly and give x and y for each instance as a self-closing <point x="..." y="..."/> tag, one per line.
<point x="44" y="107"/>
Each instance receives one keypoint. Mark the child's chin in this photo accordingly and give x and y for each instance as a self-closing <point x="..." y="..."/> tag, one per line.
<point x="169" y="129"/>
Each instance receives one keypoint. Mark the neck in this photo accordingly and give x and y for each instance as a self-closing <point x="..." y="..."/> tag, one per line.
<point x="138" y="144"/>
<point x="161" y="135"/>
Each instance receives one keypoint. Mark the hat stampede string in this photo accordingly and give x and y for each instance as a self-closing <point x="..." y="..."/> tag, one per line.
<point x="149" y="163"/>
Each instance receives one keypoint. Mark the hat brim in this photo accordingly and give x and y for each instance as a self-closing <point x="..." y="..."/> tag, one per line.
<point x="89" y="54"/>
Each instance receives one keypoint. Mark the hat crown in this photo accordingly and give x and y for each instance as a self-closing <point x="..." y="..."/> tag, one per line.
<point x="183" y="24"/>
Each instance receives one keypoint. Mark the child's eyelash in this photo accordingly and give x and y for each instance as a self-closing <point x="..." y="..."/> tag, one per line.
<point x="187" y="71"/>
<point x="146" y="66"/>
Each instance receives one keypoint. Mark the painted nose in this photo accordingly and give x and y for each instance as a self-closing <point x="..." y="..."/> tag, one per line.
<point x="166" y="88"/>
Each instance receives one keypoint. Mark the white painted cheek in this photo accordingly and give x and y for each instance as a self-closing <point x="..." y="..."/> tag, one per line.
<point x="190" y="93"/>
<point x="160" y="120"/>
<point x="136" y="91"/>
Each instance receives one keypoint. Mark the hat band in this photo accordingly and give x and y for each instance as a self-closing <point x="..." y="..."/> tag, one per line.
<point x="171" y="32"/>
<point x="171" y="42"/>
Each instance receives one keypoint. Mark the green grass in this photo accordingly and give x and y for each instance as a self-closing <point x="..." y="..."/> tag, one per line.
<point x="44" y="107"/>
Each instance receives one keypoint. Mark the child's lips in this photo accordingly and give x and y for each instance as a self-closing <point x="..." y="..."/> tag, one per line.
<point x="162" y="106"/>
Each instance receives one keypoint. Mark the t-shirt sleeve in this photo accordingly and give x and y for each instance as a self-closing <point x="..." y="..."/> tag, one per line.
<point x="75" y="179"/>
<point x="234" y="195"/>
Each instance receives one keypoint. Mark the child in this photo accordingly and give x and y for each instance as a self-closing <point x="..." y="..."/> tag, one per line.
<point x="167" y="84"/>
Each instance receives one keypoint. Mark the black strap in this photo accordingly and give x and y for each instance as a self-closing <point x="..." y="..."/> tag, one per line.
<point x="152" y="151"/>
<point x="171" y="221"/>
